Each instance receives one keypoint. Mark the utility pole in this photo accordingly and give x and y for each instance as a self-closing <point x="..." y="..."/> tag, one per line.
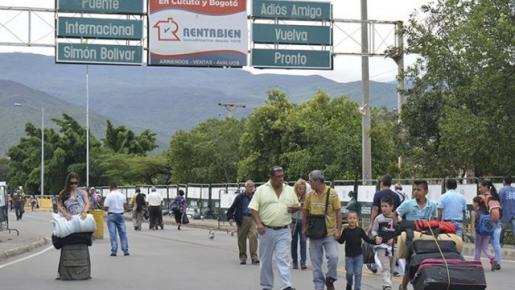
<point x="366" y="154"/>
<point x="231" y="108"/>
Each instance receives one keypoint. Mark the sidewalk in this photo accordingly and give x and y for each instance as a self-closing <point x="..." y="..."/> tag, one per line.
<point x="12" y="245"/>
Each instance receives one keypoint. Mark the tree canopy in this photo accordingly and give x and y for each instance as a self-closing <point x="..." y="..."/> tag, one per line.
<point x="459" y="113"/>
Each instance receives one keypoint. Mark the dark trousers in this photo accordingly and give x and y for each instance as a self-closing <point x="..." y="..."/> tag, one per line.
<point x="155" y="216"/>
<point x="298" y="237"/>
<point x="19" y="210"/>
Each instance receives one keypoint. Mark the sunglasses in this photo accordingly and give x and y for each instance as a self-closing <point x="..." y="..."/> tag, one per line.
<point x="74" y="183"/>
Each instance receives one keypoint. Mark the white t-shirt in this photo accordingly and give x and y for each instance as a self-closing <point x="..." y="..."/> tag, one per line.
<point x="115" y="201"/>
<point x="154" y="199"/>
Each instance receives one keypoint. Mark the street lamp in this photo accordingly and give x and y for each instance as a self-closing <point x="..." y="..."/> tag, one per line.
<point x="42" y="144"/>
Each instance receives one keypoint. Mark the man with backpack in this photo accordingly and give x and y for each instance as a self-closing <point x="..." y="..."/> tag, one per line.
<point x="138" y="206"/>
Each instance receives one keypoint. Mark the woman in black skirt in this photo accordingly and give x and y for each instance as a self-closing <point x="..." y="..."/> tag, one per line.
<point x="73" y="201"/>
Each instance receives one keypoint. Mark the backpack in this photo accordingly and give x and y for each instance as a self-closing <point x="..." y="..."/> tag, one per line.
<point x="484" y="224"/>
<point x="494" y="209"/>
<point x="140" y="201"/>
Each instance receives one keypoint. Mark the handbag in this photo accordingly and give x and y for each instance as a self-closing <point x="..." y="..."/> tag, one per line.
<point x="317" y="228"/>
<point x="185" y="220"/>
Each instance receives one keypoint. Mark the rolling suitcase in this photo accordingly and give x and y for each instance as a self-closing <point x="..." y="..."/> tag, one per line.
<point x="435" y="274"/>
<point x="430" y="246"/>
<point x="417" y="259"/>
<point x="74" y="263"/>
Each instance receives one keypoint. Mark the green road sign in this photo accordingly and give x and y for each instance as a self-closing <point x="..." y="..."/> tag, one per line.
<point x="74" y="27"/>
<point x="99" y="53"/>
<point x="296" y="10"/>
<point x="291" y="34"/>
<point x="300" y="59"/>
<point x="101" y="6"/>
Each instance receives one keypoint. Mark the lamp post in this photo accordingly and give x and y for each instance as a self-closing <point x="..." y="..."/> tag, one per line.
<point x="42" y="144"/>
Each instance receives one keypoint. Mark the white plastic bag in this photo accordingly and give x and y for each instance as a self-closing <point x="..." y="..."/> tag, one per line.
<point x="63" y="227"/>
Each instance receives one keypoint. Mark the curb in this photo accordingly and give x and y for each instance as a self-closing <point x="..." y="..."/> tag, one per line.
<point x="23" y="249"/>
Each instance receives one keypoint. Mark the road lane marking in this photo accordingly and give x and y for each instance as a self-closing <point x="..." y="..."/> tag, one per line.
<point x="26" y="258"/>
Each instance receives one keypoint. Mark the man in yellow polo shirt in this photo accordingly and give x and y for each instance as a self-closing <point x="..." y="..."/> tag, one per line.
<point x="271" y="206"/>
<point x="315" y="204"/>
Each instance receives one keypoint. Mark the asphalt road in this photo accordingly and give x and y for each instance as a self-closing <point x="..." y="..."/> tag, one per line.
<point x="167" y="259"/>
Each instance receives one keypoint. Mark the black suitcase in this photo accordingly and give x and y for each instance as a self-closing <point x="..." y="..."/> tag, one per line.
<point x="417" y="259"/>
<point x="462" y="276"/>
<point x="74" y="263"/>
<point x="430" y="246"/>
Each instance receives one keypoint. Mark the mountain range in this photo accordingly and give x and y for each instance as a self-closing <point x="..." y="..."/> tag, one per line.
<point x="163" y="99"/>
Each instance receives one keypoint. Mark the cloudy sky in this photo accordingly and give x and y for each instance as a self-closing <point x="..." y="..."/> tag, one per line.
<point x="346" y="68"/>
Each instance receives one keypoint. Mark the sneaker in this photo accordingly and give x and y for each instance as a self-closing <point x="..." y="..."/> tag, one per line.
<point x="349" y="287"/>
<point x="303" y="267"/>
<point x="289" y="288"/>
<point x="329" y="283"/>
<point x="387" y="288"/>
<point x="113" y="254"/>
<point x="126" y="254"/>
<point x="497" y="266"/>
<point x="396" y="274"/>
<point x="255" y="262"/>
<point x="295" y="266"/>
<point x="243" y="262"/>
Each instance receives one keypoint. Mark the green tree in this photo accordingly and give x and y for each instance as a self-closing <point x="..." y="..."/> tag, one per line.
<point x="4" y="168"/>
<point x="458" y="115"/>
<point x="123" y="140"/>
<point x="208" y="153"/>
<point x="135" y="169"/>
<point x="265" y="138"/>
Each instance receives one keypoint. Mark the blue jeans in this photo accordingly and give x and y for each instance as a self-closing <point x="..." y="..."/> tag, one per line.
<point x="317" y="247"/>
<point x="496" y="241"/>
<point x="116" y="223"/>
<point x="459" y="228"/>
<point x="298" y="237"/>
<point x="353" y="267"/>
<point x="274" y="242"/>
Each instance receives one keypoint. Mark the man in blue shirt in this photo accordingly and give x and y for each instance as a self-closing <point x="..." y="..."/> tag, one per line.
<point x="507" y="195"/>
<point x="386" y="183"/>
<point x="452" y="206"/>
<point x="239" y="212"/>
<point x="418" y="208"/>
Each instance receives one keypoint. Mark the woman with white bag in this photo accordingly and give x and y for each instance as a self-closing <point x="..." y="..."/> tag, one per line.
<point x="74" y="263"/>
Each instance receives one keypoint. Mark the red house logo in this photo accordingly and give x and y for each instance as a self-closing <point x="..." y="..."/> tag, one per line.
<point x="167" y="30"/>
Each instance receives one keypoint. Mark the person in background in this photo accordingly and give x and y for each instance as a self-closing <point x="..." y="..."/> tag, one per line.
<point x="493" y="205"/>
<point x="386" y="183"/>
<point x="95" y="198"/>
<point x="115" y="204"/>
<point x="33" y="202"/>
<point x="154" y="209"/>
<point x="507" y="195"/>
<point x="240" y="212"/>
<point x="353" y="204"/>
<point x="402" y="196"/>
<point x="138" y="204"/>
<point x="298" y="235"/>
<point x="271" y="207"/>
<point x="452" y="207"/>
<point x="178" y="208"/>
<point x="481" y="241"/>
<point x="19" y="204"/>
